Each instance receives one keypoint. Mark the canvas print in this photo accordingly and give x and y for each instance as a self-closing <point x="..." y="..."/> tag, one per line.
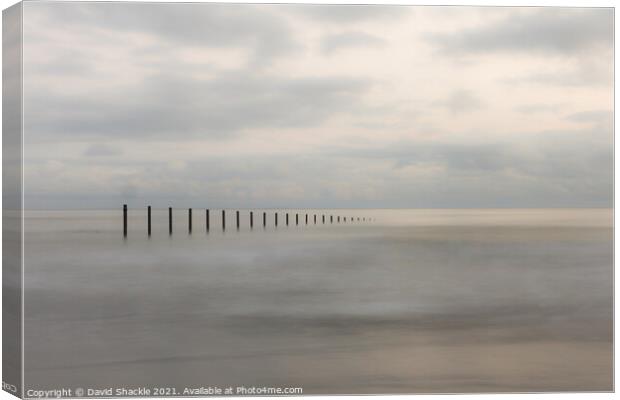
<point x="299" y="199"/>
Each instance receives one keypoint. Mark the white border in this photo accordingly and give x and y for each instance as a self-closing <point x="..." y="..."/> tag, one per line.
<point x="577" y="3"/>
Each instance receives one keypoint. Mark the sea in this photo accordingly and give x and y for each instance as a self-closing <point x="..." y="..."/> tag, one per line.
<point x="401" y="301"/>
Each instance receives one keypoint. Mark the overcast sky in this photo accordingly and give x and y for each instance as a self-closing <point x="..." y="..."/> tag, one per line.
<point x="225" y="105"/>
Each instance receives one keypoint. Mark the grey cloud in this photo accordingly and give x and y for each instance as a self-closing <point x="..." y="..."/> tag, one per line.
<point x="561" y="31"/>
<point x="564" y="168"/>
<point x="129" y="191"/>
<point x="460" y="157"/>
<point x="202" y="24"/>
<point x="583" y="154"/>
<point x="540" y="108"/>
<point x="596" y="116"/>
<point x="569" y="168"/>
<point x="65" y="63"/>
<point x="332" y="43"/>
<point x="178" y="108"/>
<point x="290" y="180"/>
<point x="339" y="14"/>
<point x="592" y="70"/>
<point x="460" y="101"/>
<point x="102" y="150"/>
<point x="576" y="78"/>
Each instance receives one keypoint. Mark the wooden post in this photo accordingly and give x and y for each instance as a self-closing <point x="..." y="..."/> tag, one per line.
<point x="125" y="220"/>
<point x="189" y="221"/>
<point x="148" y="217"/>
<point x="170" y="220"/>
<point x="237" y="220"/>
<point x="345" y="219"/>
<point x="323" y="219"/>
<point x="276" y="219"/>
<point x="306" y="219"/>
<point x="223" y="220"/>
<point x="251" y="219"/>
<point x="331" y="219"/>
<point x="264" y="219"/>
<point x="286" y="219"/>
<point x="339" y="219"/>
<point x="207" y="222"/>
<point x="314" y="219"/>
<point x="296" y="219"/>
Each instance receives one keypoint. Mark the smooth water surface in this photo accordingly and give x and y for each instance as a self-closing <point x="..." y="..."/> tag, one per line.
<point x="414" y="301"/>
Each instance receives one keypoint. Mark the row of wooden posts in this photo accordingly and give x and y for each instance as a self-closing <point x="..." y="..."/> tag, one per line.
<point x="208" y="222"/>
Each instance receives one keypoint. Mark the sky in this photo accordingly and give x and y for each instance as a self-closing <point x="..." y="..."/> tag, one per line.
<point x="242" y="106"/>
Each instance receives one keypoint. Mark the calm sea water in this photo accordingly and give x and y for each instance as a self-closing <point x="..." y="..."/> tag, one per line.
<point x="415" y="301"/>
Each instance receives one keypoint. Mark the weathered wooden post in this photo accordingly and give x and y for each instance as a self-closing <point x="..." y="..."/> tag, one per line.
<point x="189" y="221"/>
<point x="306" y="219"/>
<point x="223" y="220"/>
<point x="314" y="219"/>
<point x="323" y="219"/>
<point x="125" y="220"/>
<point x="148" y="217"/>
<point x="331" y="219"/>
<point x="251" y="219"/>
<point x="286" y="219"/>
<point x="264" y="219"/>
<point x="237" y="220"/>
<point x="207" y="222"/>
<point x="296" y="219"/>
<point x="276" y="219"/>
<point x="170" y="220"/>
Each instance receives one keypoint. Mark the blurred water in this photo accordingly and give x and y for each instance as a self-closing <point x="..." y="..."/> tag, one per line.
<point x="415" y="301"/>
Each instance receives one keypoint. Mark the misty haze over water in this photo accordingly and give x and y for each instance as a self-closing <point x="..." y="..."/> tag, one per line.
<point x="416" y="301"/>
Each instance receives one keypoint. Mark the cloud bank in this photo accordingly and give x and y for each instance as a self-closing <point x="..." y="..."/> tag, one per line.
<point x="230" y="105"/>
